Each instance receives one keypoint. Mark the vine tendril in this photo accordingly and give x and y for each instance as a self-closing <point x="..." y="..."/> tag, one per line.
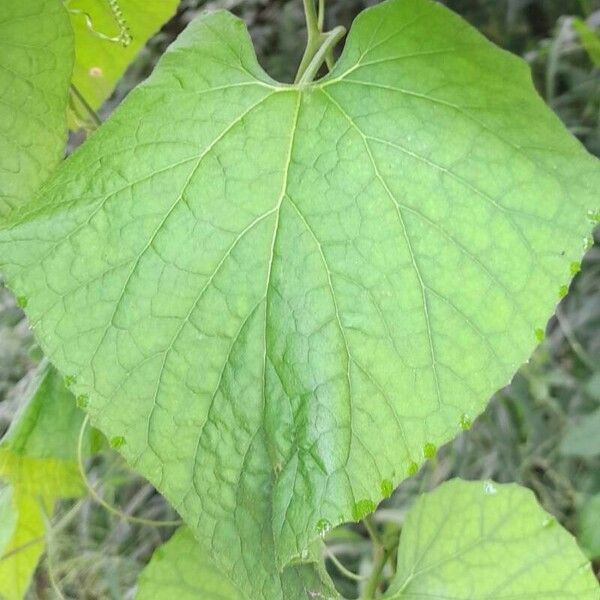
<point x="101" y="501"/>
<point x="124" y="37"/>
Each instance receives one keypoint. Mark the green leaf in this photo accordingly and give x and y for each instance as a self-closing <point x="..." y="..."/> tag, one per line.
<point x="23" y="552"/>
<point x="179" y="569"/>
<point x="38" y="452"/>
<point x="36" y="59"/>
<point x="588" y="526"/>
<point x="100" y="63"/>
<point x="8" y="517"/>
<point x="282" y="299"/>
<point x="583" y="439"/>
<point x="48" y="422"/>
<point x="589" y="39"/>
<point x="481" y="540"/>
<point x="37" y="457"/>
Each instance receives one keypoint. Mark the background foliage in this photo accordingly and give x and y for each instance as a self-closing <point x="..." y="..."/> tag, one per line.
<point x="538" y="432"/>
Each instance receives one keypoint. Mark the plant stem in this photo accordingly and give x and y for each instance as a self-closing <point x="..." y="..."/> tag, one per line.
<point x="49" y="552"/>
<point x="341" y="568"/>
<point x="96" y="121"/>
<point x="372" y="531"/>
<point x="319" y="44"/>
<point x="96" y="496"/>
<point x="313" y="33"/>
<point x="328" y="41"/>
<point x="321" y="15"/>
<point x="372" y="585"/>
<point x="312" y="21"/>
<point x="380" y="557"/>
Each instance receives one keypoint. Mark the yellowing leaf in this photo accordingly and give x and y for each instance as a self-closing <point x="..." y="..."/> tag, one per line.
<point x="8" y="517"/>
<point x="100" y="63"/>
<point x="37" y="458"/>
<point x="25" y="547"/>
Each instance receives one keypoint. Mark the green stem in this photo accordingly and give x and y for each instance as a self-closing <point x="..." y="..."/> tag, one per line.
<point x="321" y="17"/>
<point x="380" y="557"/>
<point x="374" y="581"/>
<point x="50" y="554"/>
<point x="330" y="60"/>
<point x="328" y="41"/>
<point x="372" y="531"/>
<point x="96" y="121"/>
<point x="312" y="21"/>
<point x="341" y="568"/>
<point x="319" y="44"/>
<point x="311" y="49"/>
<point x="313" y="33"/>
<point x="96" y="496"/>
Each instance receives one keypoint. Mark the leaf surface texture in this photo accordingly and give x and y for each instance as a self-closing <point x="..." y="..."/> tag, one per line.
<point x="481" y="540"/>
<point x="36" y="59"/>
<point x="283" y="298"/>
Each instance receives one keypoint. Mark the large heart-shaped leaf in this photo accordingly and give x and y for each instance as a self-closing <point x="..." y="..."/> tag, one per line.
<point x="282" y="297"/>
<point x="36" y="58"/>
<point x="480" y="540"/>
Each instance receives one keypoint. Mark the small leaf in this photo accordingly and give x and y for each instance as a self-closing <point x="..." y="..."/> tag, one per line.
<point x="462" y="543"/>
<point x="36" y="59"/>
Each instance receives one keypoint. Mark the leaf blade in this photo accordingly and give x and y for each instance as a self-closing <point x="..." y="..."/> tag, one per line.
<point x="37" y="459"/>
<point x="35" y="68"/>
<point x="178" y="568"/>
<point x="100" y="63"/>
<point x="286" y="239"/>
<point x="486" y="540"/>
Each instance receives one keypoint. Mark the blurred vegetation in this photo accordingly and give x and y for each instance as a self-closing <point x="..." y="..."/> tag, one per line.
<point x="539" y="431"/>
